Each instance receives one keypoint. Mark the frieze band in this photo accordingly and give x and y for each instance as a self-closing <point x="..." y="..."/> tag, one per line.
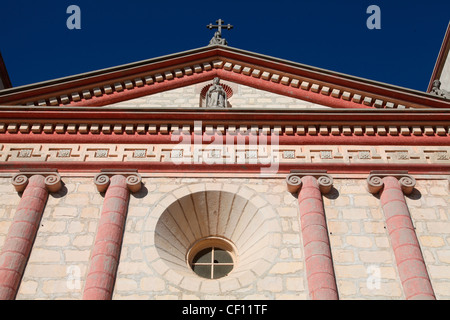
<point x="216" y="154"/>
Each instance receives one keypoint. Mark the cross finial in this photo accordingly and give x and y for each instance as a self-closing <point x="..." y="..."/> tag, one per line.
<point x="217" y="39"/>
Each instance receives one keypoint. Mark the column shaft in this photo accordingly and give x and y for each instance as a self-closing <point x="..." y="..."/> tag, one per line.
<point x="105" y="256"/>
<point x="410" y="263"/>
<point x="21" y="235"/>
<point x="319" y="264"/>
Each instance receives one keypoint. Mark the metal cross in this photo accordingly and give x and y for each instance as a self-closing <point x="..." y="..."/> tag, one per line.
<point x="219" y="26"/>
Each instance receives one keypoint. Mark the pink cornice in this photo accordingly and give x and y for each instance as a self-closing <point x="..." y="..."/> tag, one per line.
<point x="326" y="127"/>
<point x="76" y="114"/>
<point x="284" y="139"/>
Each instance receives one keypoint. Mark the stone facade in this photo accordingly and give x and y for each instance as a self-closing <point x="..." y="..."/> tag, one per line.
<point x="363" y="258"/>
<point x="321" y="185"/>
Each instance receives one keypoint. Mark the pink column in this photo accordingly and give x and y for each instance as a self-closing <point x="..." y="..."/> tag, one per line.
<point x="21" y="234"/>
<point x="318" y="261"/>
<point x="410" y="263"/>
<point x="105" y="255"/>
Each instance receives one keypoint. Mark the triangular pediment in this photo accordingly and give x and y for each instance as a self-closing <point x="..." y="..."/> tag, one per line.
<point x="302" y="83"/>
<point x="239" y="96"/>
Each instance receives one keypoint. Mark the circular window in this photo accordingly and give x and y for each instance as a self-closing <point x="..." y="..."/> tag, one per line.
<point x="212" y="258"/>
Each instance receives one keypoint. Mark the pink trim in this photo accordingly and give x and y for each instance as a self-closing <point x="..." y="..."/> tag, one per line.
<point x="314" y="97"/>
<point x="138" y="92"/>
<point x="283" y="139"/>
<point x="363" y="117"/>
<point x="170" y="167"/>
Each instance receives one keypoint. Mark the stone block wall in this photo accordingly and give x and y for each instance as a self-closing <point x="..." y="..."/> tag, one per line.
<point x="243" y="97"/>
<point x="360" y="243"/>
<point x="364" y="262"/>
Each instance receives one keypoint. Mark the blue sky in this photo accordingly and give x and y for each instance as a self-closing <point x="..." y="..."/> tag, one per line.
<point x="36" y="44"/>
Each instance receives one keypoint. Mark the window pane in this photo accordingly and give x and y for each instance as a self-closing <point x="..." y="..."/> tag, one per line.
<point x="221" y="271"/>
<point x="222" y="256"/>
<point x="202" y="271"/>
<point x="203" y="256"/>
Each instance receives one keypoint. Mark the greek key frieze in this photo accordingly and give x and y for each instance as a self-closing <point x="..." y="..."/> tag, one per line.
<point x="225" y="154"/>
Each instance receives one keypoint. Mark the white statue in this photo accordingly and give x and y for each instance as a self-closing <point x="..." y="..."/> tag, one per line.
<point x="216" y="97"/>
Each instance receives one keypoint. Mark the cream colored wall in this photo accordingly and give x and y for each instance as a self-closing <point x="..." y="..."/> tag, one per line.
<point x="356" y="225"/>
<point x="360" y="243"/>
<point x="243" y="97"/>
<point x="445" y="75"/>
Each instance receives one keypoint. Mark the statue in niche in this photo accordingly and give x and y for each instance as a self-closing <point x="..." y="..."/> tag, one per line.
<point x="216" y="97"/>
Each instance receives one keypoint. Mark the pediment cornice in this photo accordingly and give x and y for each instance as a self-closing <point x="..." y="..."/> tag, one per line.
<point x="112" y="85"/>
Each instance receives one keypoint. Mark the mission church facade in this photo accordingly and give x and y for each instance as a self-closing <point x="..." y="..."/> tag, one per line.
<point x="218" y="173"/>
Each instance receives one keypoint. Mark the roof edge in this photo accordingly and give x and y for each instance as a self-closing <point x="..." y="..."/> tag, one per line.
<point x="4" y="74"/>
<point x="442" y="56"/>
<point x="219" y="51"/>
<point x="213" y="50"/>
<point x="108" y="70"/>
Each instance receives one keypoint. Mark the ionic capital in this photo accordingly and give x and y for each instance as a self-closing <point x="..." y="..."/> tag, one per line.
<point x="294" y="180"/>
<point x="133" y="179"/>
<point x="52" y="179"/>
<point x="375" y="180"/>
